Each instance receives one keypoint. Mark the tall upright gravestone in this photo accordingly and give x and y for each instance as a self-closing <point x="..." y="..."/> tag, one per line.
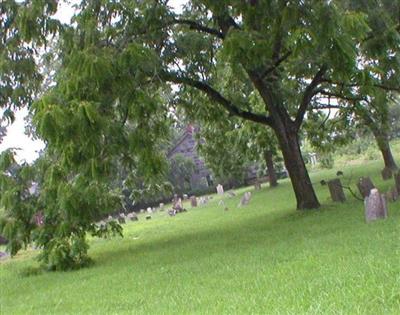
<point x="193" y="201"/>
<point x="397" y="182"/>
<point x="365" y="186"/>
<point x="220" y="189"/>
<point x="375" y="206"/>
<point x="336" y="190"/>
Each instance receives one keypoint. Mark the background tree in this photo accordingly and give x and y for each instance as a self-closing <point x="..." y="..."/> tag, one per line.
<point x="180" y="173"/>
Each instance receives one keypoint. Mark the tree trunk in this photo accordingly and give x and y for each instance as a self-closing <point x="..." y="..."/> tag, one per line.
<point x="303" y="189"/>
<point x="273" y="180"/>
<point x="382" y="140"/>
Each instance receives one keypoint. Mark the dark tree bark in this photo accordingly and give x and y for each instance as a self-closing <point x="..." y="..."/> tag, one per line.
<point x="382" y="140"/>
<point x="273" y="179"/>
<point x="300" y="179"/>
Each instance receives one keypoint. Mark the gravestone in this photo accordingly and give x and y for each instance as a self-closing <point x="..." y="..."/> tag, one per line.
<point x="336" y="190"/>
<point x="3" y="240"/>
<point x="387" y="173"/>
<point x="231" y="194"/>
<point x="257" y="186"/>
<point x="149" y="210"/>
<point x="39" y="218"/>
<point x="375" y="206"/>
<point x="397" y="181"/>
<point x="202" y="201"/>
<point x="245" y="199"/>
<point x="161" y="206"/>
<point x="364" y="186"/>
<point x="193" y="201"/>
<point x="3" y="255"/>
<point x="121" y="219"/>
<point x="220" y="189"/>
<point x="185" y="197"/>
<point x="132" y="216"/>
<point x="392" y="195"/>
<point x="178" y="205"/>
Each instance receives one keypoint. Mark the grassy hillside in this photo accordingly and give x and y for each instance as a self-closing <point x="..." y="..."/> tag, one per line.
<point x="265" y="258"/>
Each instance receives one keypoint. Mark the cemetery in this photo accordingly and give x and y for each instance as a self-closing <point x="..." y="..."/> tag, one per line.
<point x="199" y="157"/>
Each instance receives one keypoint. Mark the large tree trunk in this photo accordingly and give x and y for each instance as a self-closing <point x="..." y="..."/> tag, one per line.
<point x="382" y="140"/>
<point x="273" y="180"/>
<point x="303" y="189"/>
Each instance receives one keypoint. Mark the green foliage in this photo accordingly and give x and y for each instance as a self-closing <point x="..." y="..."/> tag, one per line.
<point x="24" y="26"/>
<point x="56" y="219"/>
<point x="180" y="173"/>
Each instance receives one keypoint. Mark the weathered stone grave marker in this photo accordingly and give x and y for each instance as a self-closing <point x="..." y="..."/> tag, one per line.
<point x="132" y="216"/>
<point x="193" y="201"/>
<point x="220" y="189"/>
<point x="364" y="186"/>
<point x="245" y="199"/>
<point x="336" y="190"/>
<point x="397" y="182"/>
<point x="375" y="206"/>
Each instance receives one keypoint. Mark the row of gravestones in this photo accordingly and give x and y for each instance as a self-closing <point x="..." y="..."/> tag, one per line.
<point x="375" y="203"/>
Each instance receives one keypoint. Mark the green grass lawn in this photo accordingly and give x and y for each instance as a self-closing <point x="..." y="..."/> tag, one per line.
<point x="265" y="258"/>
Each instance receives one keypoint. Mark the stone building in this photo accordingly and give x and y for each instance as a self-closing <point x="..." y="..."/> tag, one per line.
<point x="202" y="178"/>
<point x="186" y="145"/>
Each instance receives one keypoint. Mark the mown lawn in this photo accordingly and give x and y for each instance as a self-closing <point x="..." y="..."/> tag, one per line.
<point x="265" y="258"/>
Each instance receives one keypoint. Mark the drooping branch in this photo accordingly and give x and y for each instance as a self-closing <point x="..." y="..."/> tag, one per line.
<point x="215" y="96"/>
<point x="309" y="93"/>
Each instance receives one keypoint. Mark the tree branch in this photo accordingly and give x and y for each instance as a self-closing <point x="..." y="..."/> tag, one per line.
<point x="308" y="95"/>
<point x="340" y="96"/>
<point x="377" y="85"/>
<point x="276" y="64"/>
<point x="193" y="25"/>
<point x="218" y="98"/>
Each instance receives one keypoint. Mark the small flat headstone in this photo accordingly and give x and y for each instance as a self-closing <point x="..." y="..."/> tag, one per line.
<point x="231" y="194"/>
<point x="375" y="206"/>
<point x="132" y="216"/>
<point x="121" y="220"/>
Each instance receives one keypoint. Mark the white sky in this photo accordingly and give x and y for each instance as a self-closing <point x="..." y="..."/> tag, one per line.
<point x="28" y="149"/>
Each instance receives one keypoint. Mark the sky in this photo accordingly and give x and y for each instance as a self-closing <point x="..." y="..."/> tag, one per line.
<point x="28" y="149"/>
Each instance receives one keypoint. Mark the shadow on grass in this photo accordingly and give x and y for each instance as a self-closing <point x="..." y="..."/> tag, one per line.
<point x="274" y="228"/>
